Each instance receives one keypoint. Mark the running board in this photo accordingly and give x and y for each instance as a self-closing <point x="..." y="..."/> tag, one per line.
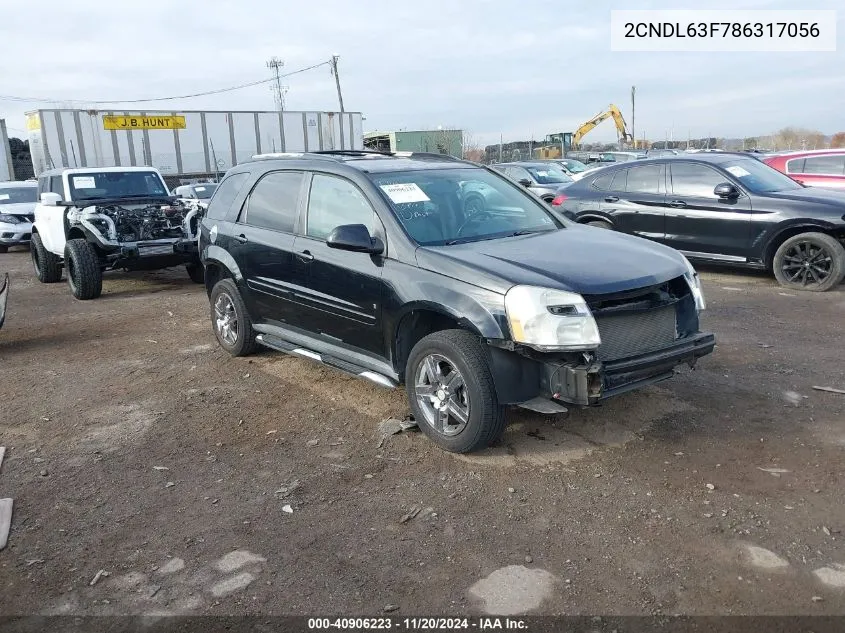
<point x="281" y="345"/>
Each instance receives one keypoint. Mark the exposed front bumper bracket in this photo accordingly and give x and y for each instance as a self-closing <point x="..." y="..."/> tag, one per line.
<point x="587" y="384"/>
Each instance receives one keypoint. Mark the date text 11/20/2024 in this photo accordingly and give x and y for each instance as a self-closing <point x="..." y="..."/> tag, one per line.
<point x="418" y="624"/>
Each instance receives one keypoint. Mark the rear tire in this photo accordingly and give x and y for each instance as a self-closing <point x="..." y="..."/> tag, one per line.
<point x="84" y="274"/>
<point x="46" y="264"/>
<point x="453" y="364"/>
<point x="4" y="249"/>
<point x="600" y="224"/>
<point x="230" y="319"/>
<point x="196" y="272"/>
<point x="810" y="261"/>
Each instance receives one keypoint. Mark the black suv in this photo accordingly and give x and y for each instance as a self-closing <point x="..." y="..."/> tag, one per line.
<point x="720" y="208"/>
<point x="370" y="263"/>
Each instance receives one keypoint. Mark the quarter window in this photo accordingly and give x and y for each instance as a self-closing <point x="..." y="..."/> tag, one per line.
<point x="274" y="201"/>
<point x="334" y="202"/>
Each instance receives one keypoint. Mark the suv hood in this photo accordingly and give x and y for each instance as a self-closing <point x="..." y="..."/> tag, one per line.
<point x="581" y="259"/>
<point x="18" y="208"/>
<point x="813" y="194"/>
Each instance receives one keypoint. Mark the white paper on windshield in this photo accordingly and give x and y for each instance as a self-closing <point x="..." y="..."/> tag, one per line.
<point x="739" y="172"/>
<point x="542" y="174"/>
<point x="405" y="193"/>
<point x="84" y="182"/>
<point x="199" y="188"/>
<point x="4" y="196"/>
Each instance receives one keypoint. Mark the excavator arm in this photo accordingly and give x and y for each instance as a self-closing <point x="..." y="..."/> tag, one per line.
<point x="621" y="128"/>
<point x="588" y="126"/>
<point x="612" y="111"/>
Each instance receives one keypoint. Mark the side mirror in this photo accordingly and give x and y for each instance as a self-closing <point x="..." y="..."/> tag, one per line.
<point x="50" y="199"/>
<point x="355" y="238"/>
<point x="524" y="182"/>
<point x="726" y="190"/>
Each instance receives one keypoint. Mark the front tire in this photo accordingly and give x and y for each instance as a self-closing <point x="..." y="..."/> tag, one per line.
<point x="810" y="261"/>
<point x="4" y="249"/>
<point x="230" y="319"/>
<point x="84" y="274"/>
<point x="46" y="264"/>
<point x="451" y="392"/>
<point x="196" y="272"/>
<point x="600" y="224"/>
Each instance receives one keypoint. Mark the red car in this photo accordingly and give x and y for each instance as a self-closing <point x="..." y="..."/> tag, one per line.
<point x="816" y="168"/>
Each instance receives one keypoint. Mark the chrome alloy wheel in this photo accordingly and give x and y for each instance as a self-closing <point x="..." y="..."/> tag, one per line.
<point x="442" y="395"/>
<point x="226" y="319"/>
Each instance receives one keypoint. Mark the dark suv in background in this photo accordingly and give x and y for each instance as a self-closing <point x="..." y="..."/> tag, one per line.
<point x="720" y="208"/>
<point x="372" y="264"/>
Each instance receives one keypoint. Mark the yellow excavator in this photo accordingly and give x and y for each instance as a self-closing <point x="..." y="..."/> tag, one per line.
<point x="556" y="144"/>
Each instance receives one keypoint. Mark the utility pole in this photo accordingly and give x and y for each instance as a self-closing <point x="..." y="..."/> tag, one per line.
<point x="500" y="148"/>
<point x="634" y="115"/>
<point x="337" y="80"/>
<point x="278" y="90"/>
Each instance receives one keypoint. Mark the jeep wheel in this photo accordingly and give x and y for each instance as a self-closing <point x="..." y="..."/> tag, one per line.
<point x="451" y="393"/>
<point x="230" y="319"/>
<point x="810" y="261"/>
<point x="196" y="272"/>
<point x="599" y="224"/>
<point x="84" y="274"/>
<point x="46" y="264"/>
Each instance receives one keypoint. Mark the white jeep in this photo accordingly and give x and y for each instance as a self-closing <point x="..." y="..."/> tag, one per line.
<point x="88" y="220"/>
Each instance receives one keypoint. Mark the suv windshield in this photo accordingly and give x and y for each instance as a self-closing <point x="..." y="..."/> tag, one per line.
<point x="575" y="166"/>
<point x="17" y="195"/>
<point x="548" y="175"/>
<point x="450" y="206"/>
<point x="758" y="177"/>
<point x="116" y="184"/>
<point x="204" y="192"/>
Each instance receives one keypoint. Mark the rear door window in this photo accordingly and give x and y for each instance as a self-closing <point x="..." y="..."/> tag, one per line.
<point x="603" y="183"/>
<point x="833" y="165"/>
<point x="620" y="181"/>
<point x="645" y="179"/>
<point x="274" y="202"/>
<point x="225" y="196"/>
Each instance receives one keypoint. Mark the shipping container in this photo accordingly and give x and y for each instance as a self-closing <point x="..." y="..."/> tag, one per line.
<point x="182" y="145"/>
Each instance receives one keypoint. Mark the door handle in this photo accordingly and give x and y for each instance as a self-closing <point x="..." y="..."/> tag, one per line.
<point x="242" y="239"/>
<point x="611" y="199"/>
<point x="677" y="204"/>
<point x="305" y="256"/>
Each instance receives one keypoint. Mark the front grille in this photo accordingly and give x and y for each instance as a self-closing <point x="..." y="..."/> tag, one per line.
<point x="633" y="333"/>
<point x="155" y="249"/>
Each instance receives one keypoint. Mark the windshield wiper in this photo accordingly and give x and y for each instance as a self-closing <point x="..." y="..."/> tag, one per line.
<point x="528" y="232"/>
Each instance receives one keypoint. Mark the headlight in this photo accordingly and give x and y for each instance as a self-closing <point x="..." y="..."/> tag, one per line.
<point x="695" y="286"/>
<point x="547" y="319"/>
<point x="9" y="219"/>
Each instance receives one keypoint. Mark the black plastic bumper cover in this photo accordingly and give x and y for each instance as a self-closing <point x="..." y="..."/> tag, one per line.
<point x="519" y="379"/>
<point x="586" y="385"/>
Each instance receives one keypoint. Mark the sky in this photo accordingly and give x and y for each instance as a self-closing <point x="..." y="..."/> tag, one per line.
<point x="494" y="68"/>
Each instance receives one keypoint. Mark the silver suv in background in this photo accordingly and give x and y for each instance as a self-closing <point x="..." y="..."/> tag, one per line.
<point x="17" y="209"/>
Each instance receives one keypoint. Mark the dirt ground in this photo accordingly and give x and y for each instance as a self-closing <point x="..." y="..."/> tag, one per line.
<point x="153" y="474"/>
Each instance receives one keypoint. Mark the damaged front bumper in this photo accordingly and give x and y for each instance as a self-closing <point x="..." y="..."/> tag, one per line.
<point x="589" y="382"/>
<point x="586" y="381"/>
